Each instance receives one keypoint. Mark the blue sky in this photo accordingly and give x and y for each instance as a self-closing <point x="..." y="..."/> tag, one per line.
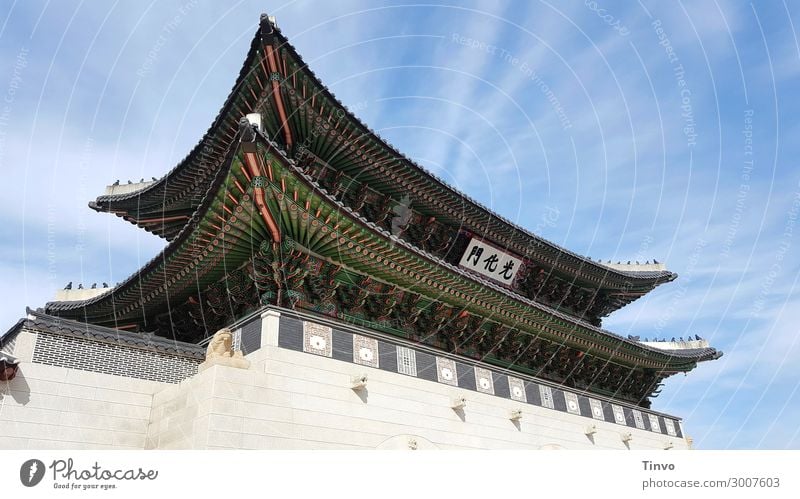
<point x="659" y="130"/>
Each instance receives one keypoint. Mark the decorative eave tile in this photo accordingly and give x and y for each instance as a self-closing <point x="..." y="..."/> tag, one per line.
<point x="572" y="403"/>
<point x="406" y="361"/>
<point x="619" y="414"/>
<point x="317" y="339"/>
<point x="516" y="387"/>
<point x="365" y="351"/>
<point x="547" y="396"/>
<point x="446" y="371"/>
<point x="597" y="409"/>
<point x="637" y="419"/>
<point x="483" y="380"/>
<point x="654" y="424"/>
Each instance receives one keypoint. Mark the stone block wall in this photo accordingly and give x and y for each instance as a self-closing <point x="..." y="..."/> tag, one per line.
<point x="292" y="398"/>
<point x="56" y="407"/>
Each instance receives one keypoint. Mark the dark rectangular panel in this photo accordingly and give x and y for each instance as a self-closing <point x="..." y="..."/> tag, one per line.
<point x="662" y="425"/>
<point x="251" y="336"/>
<point x="608" y="411"/>
<point x="501" y="385"/>
<point x="678" y="431"/>
<point x="586" y="407"/>
<point x="387" y="356"/>
<point x="559" y="403"/>
<point x="646" y="420"/>
<point x="426" y="366"/>
<point x="532" y="392"/>
<point x="466" y="376"/>
<point x="290" y="333"/>
<point x="342" y="346"/>
<point x="629" y="417"/>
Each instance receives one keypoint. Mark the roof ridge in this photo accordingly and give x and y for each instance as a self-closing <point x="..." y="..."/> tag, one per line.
<point x="146" y="341"/>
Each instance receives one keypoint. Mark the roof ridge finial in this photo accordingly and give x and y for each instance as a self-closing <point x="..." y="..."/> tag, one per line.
<point x="266" y="26"/>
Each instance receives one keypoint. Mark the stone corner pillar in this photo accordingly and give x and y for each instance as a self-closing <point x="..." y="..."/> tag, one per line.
<point x="270" y="322"/>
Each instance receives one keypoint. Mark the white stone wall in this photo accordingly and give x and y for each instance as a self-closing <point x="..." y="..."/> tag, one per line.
<point x="295" y="400"/>
<point x="180" y="414"/>
<point x="292" y="400"/>
<point x="285" y="400"/>
<point x="48" y="407"/>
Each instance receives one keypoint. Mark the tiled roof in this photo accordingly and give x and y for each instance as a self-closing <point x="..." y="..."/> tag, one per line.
<point x="38" y="321"/>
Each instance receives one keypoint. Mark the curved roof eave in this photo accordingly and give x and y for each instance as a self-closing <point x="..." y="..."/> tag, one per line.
<point x="55" y="307"/>
<point x="102" y="203"/>
<point x="662" y="276"/>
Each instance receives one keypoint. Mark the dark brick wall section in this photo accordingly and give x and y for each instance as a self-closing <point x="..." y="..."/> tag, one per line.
<point x="466" y="376"/>
<point x="608" y="411"/>
<point x="559" y="403"/>
<point x="387" y="355"/>
<point x="586" y="407"/>
<point x="501" y="385"/>
<point x="251" y="336"/>
<point x="291" y="333"/>
<point x="646" y="422"/>
<point x="629" y="420"/>
<point x="426" y="366"/>
<point x="532" y="392"/>
<point x="342" y="346"/>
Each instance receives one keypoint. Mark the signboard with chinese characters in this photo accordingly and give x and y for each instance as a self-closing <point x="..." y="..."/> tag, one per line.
<point x="491" y="262"/>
